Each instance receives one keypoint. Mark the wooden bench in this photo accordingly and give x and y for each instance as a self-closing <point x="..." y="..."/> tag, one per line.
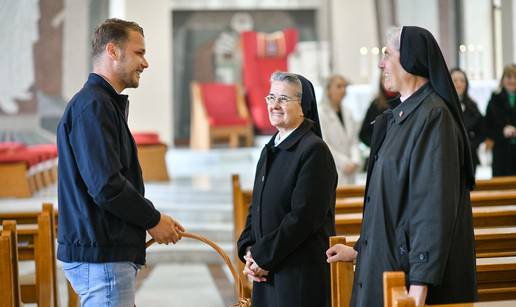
<point x="10" y="289"/>
<point x="36" y="243"/>
<point x="496" y="279"/>
<point x="495" y="183"/>
<point x="28" y="248"/>
<point x="152" y="156"/>
<point x="478" y="199"/>
<point x="350" y="223"/>
<point x="395" y="294"/>
<point x="489" y="242"/>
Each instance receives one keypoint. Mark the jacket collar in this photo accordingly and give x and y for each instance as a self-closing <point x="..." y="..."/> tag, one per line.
<point x="294" y="137"/>
<point x="120" y="99"/>
<point x="400" y="111"/>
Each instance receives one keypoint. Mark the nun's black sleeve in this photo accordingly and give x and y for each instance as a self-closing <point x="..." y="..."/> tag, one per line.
<point x="434" y="196"/>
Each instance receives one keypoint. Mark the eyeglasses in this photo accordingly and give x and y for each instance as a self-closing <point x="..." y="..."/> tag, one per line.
<point x="270" y="99"/>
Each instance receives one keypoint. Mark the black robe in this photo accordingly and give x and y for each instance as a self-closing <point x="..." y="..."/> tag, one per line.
<point x="498" y="115"/>
<point x="417" y="212"/>
<point x="292" y="215"/>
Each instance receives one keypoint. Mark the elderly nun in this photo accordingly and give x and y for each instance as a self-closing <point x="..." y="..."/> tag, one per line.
<point x="292" y="213"/>
<point x="417" y="213"/>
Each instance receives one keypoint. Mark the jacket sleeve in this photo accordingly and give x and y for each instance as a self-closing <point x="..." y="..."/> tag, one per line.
<point x="246" y="238"/>
<point x="312" y="204"/>
<point x="94" y="138"/>
<point x="433" y="196"/>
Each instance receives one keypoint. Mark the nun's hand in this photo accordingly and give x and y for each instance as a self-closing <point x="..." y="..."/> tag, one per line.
<point x="341" y="252"/>
<point x="252" y="270"/>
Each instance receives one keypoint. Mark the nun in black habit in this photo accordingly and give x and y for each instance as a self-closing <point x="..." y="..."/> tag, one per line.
<point x="417" y="213"/>
<point x="292" y="213"/>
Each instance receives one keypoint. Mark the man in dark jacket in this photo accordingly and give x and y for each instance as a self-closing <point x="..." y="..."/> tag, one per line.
<point x="103" y="214"/>
<point x="417" y="212"/>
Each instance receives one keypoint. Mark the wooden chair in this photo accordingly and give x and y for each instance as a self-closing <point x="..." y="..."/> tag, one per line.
<point x="219" y="111"/>
<point x="10" y="289"/>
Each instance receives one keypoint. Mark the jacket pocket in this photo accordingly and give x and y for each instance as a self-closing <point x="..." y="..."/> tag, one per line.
<point x="402" y="248"/>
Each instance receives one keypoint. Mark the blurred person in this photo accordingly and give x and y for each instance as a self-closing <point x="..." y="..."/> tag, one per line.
<point x="377" y="107"/>
<point x="473" y="120"/>
<point x="292" y="214"/>
<point x="103" y="213"/>
<point x="501" y="124"/>
<point x="339" y="130"/>
<point x="417" y="213"/>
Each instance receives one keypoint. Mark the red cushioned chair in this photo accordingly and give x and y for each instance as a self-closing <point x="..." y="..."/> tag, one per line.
<point x="151" y="155"/>
<point x="219" y="112"/>
<point x="263" y="54"/>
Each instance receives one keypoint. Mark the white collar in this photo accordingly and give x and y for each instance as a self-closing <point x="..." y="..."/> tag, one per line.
<point x="278" y="139"/>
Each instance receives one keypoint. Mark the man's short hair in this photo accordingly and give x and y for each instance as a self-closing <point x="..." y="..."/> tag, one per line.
<point x="112" y="30"/>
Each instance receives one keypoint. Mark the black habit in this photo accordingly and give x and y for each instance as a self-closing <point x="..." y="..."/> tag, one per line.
<point x="417" y="213"/>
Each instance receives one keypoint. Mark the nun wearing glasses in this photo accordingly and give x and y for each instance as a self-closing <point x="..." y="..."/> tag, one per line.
<point x="292" y="213"/>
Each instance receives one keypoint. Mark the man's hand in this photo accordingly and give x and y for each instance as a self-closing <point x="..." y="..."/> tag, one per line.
<point x="340" y="252"/>
<point x="252" y="270"/>
<point x="167" y="230"/>
<point x="418" y="292"/>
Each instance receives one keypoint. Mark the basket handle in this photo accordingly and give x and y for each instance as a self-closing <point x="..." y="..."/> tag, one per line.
<point x="219" y="250"/>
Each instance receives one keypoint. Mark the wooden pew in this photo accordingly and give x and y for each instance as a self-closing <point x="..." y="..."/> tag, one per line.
<point x="36" y="242"/>
<point x="350" y="223"/>
<point x="10" y="289"/>
<point x="395" y="294"/>
<point x="342" y="275"/>
<point x="496" y="278"/>
<point x="478" y="199"/>
<point x="495" y="183"/>
<point x="489" y="242"/>
<point x="241" y="203"/>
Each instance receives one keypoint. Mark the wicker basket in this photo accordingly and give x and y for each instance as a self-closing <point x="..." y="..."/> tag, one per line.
<point x="242" y="300"/>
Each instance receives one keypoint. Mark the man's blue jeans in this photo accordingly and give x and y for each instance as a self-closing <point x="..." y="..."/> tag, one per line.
<point x="103" y="284"/>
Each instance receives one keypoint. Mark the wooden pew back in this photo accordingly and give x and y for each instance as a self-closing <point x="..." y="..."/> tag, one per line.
<point x="10" y="289"/>
<point x="36" y="242"/>
<point x="341" y="278"/>
<point x="394" y="291"/>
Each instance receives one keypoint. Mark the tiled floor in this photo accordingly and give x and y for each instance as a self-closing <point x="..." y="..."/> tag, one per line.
<point x="199" y="195"/>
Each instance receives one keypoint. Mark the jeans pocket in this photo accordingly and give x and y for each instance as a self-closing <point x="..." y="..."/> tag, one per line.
<point x="77" y="274"/>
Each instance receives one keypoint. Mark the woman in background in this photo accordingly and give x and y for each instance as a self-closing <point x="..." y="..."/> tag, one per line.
<point x="377" y="107"/>
<point x="473" y="120"/>
<point x="501" y="124"/>
<point x="339" y="130"/>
